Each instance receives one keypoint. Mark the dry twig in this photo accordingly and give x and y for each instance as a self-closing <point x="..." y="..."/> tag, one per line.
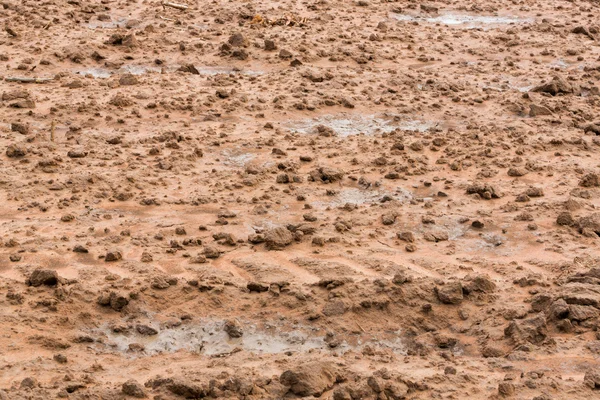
<point x="174" y="5"/>
<point x="52" y="128"/>
<point x="28" y="80"/>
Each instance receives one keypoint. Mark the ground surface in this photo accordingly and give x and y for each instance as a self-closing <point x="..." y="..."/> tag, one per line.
<point x="287" y="199"/>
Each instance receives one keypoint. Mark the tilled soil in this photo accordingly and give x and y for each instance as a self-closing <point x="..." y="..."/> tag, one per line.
<point x="281" y="199"/>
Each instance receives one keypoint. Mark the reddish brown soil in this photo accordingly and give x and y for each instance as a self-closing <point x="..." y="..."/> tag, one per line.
<point x="285" y="199"/>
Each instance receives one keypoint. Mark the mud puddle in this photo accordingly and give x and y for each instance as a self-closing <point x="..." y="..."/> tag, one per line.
<point x="209" y="338"/>
<point x="229" y="71"/>
<point x="345" y="125"/>
<point x="97" y="24"/>
<point x="507" y="85"/>
<point x="103" y="73"/>
<point x="463" y="20"/>
<point x="236" y="158"/>
<point x="359" y="197"/>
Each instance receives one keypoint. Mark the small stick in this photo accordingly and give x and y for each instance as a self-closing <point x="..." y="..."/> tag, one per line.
<point x="11" y="31"/>
<point x="174" y="5"/>
<point x="166" y="19"/>
<point x="385" y="244"/>
<point x="221" y="355"/>
<point x="52" y="126"/>
<point x="28" y="80"/>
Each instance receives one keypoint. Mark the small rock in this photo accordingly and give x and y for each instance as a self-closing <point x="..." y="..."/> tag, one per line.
<point x="160" y="283"/>
<point x="277" y="238"/>
<point x="41" y="277"/>
<point x="309" y="379"/>
<point x="77" y="154"/>
<point x="113" y="255"/>
<point x="189" y="68"/>
<point x="557" y="85"/>
<point x="388" y="218"/>
<point x="60" y="358"/>
<point x="477" y="224"/>
<point x="590" y="180"/>
<point x="80" y="249"/>
<point x="532" y="330"/>
<point x="506" y="389"/>
<point x="114" y="300"/>
<point x="479" y="283"/>
<point x="15" y="151"/>
<point x="237" y="40"/>
<point x="270" y="45"/>
<point x="516" y="172"/>
<point x="233" y="329"/>
<point x="450" y="293"/>
<point x="128" y="80"/>
<point x="406" y="236"/>
<point x="257" y="287"/>
<point x="334" y="307"/>
<point x="537" y="110"/>
<point x="492" y="350"/>
<point x="485" y="191"/>
<point x="592" y="380"/>
<point x="28" y="383"/>
<point x="211" y="252"/>
<point x="133" y="388"/>
<point x="146" y="330"/>
<point x="565" y="218"/>
<point x="285" y="54"/>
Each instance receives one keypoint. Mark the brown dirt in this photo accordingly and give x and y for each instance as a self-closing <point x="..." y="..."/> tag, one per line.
<point x="283" y="199"/>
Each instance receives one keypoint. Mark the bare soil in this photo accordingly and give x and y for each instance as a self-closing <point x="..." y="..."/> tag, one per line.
<point x="283" y="199"/>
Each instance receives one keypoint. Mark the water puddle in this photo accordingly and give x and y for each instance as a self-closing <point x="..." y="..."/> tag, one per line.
<point x="103" y="73"/>
<point x="143" y="69"/>
<point x="463" y="20"/>
<point x="470" y="240"/>
<point x="507" y="85"/>
<point x="345" y="125"/>
<point x="97" y="24"/>
<point x="209" y="338"/>
<point x="363" y="196"/>
<point x="202" y="27"/>
<point x="98" y="73"/>
<point x="228" y="70"/>
<point x="559" y="63"/>
<point x="493" y="244"/>
<point x="236" y="158"/>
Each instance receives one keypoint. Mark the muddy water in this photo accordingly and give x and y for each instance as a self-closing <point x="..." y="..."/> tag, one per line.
<point x="359" y="197"/>
<point x="463" y="20"/>
<point x="507" y="85"/>
<point x="96" y="24"/>
<point x="103" y="73"/>
<point x="208" y="337"/>
<point x="228" y="70"/>
<point x="236" y="158"/>
<point x="99" y="73"/>
<point x="346" y="125"/>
